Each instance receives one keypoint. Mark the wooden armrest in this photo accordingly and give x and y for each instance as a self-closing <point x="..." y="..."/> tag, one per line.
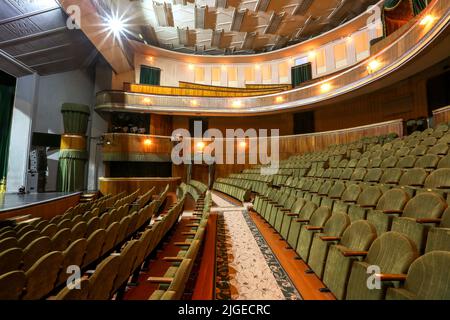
<point x="355" y="253"/>
<point x="89" y="272"/>
<point x="314" y="228"/>
<point x="115" y="254"/>
<point x="415" y="185"/>
<point x="301" y="220"/>
<point x="292" y="214"/>
<point x="193" y="225"/>
<point x="278" y="206"/>
<point x="442" y="187"/>
<point x="349" y="201"/>
<point x="285" y="210"/>
<point x="160" y="280"/>
<point x="391" y="277"/>
<point x="173" y="259"/>
<point x="424" y="220"/>
<point x="330" y="238"/>
<point x="392" y="211"/>
<point x="368" y="206"/>
<point x="182" y="244"/>
<point x="334" y="198"/>
<point x="189" y="233"/>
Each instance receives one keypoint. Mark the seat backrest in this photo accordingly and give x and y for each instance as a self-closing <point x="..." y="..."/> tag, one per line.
<point x="359" y="174"/>
<point x="63" y="224"/>
<point x="35" y="250"/>
<point x="425" y="205"/>
<point x="445" y="219"/>
<point x="428" y="277"/>
<point x="440" y="149"/>
<point x="92" y="225"/>
<point x="393" y="200"/>
<point x="413" y="177"/>
<point x="369" y="196"/>
<point x="352" y="193"/>
<point x="8" y="243"/>
<point x="28" y="237"/>
<point x="320" y="216"/>
<point x="428" y="161"/>
<point x="101" y="282"/>
<point x="73" y="256"/>
<point x="12" y="284"/>
<point x="79" y="230"/>
<point x="10" y="260"/>
<point x="61" y="240"/>
<point x="336" y="224"/>
<point x="393" y="252"/>
<point x="111" y="237"/>
<point x="438" y="179"/>
<point x="94" y="246"/>
<point x="359" y="236"/>
<point x="41" y="277"/>
<point x="373" y="175"/>
<point x="80" y="293"/>
<point x="407" y="162"/>
<point x="391" y="175"/>
<point x="22" y="229"/>
<point x="389" y="162"/>
<point x="337" y="190"/>
<point x="50" y="230"/>
<point x="180" y="280"/>
<point x="308" y="209"/>
<point x="127" y="262"/>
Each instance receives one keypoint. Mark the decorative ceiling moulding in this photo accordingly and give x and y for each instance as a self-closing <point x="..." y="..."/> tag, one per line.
<point x="397" y="54"/>
<point x="307" y="44"/>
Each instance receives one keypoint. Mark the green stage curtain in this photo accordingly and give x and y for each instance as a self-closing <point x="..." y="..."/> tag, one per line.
<point x="150" y="76"/>
<point x="398" y="12"/>
<point x="76" y="118"/>
<point x="71" y="170"/>
<point x="301" y="74"/>
<point x="7" y="91"/>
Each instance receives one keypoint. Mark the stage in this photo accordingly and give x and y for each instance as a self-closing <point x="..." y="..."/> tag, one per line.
<point x="44" y="205"/>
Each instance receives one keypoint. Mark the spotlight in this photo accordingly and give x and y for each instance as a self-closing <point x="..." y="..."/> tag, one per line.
<point x="147" y="101"/>
<point x="191" y="67"/>
<point x="194" y="103"/>
<point x="200" y="145"/>
<point x="325" y="87"/>
<point x="373" y="66"/>
<point x="427" y="20"/>
<point x="312" y="54"/>
<point x="116" y="25"/>
<point x="147" y="142"/>
<point x="237" y="104"/>
<point x="257" y="66"/>
<point x="280" y="99"/>
<point x="243" y="144"/>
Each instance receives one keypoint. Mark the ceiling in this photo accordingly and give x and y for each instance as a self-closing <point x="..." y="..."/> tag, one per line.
<point x="34" y="38"/>
<point x="218" y="27"/>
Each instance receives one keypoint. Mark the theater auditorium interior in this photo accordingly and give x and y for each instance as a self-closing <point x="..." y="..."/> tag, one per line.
<point x="224" y="150"/>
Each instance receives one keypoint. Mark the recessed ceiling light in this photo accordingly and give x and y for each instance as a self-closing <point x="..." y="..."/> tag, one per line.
<point x="427" y="20"/>
<point x="116" y="25"/>
<point x="325" y="87"/>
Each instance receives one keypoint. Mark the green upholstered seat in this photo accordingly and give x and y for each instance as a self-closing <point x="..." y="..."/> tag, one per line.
<point x="428" y="279"/>
<point x="350" y="196"/>
<point x="290" y="216"/>
<point x="11" y="285"/>
<point x="439" y="237"/>
<point x="391" y="204"/>
<point x="357" y="237"/>
<point x="392" y="253"/>
<point x="334" y="228"/>
<point x="367" y="199"/>
<point x="426" y="205"/>
<point x="297" y="221"/>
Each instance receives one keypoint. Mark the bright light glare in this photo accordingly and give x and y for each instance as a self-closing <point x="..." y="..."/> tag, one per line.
<point x="116" y="25"/>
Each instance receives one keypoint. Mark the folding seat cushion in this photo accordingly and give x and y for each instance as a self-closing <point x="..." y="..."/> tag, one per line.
<point x="92" y="226"/>
<point x="439" y="237"/>
<point x="358" y="174"/>
<point x="350" y="196"/>
<point x="373" y="175"/>
<point x="402" y="152"/>
<point x="74" y="294"/>
<point x="307" y="230"/>
<point x="297" y="221"/>
<point x="10" y="260"/>
<point x="357" y="237"/>
<point x="127" y="262"/>
<point x="94" y="246"/>
<point x="406" y="162"/>
<point x="28" y="237"/>
<point x="102" y="281"/>
<point x="367" y="200"/>
<point x="35" y="250"/>
<point x="428" y="279"/>
<point x="346" y="174"/>
<point x="391" y="203"/>
<point x="439" y="149"/>
<point x="419" y="150"/>
<point x="41" y="277"/>
<point x="392" y="253"/>
<point x="8" y="243"/>
<point x="50" y="230"/>
<point x="61" y="240"/>
<point x="389" y="162"/>
<point x="11" y="285"/>
<point x="444" y="162"/>
<point x="73" y="256"/>
<point x="415" y="220"/>
<point x="79" y="230"/>
<point x="428" y="161"/>
<point x="288" y="217"/>
<point x="331" y="234"/>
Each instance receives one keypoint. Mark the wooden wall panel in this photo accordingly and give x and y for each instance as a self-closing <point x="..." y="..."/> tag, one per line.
<point x="441" y="115"/>
<point x="161" y="125"/>
<point x="117" y="185"/>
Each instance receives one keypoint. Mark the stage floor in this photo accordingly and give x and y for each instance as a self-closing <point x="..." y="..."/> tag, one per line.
<point x="13" y="201"/>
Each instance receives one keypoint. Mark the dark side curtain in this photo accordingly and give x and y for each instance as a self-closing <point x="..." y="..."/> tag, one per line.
<point x="150" y="76"/>
<point x="71" y="170"/>
<point x="301" y="74"/>
<point x="398" y="12"/>
<point x="7" y="91"/>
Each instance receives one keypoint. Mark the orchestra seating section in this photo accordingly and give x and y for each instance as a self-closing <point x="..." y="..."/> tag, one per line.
<point x="381" y="202"/>
<point x="111" y="239"/>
